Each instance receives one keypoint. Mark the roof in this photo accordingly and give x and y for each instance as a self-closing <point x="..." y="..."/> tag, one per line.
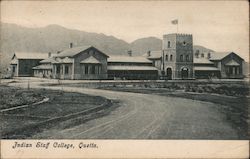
<point x="232" y="63"/>
<point x="202" y="61"/>
<point x="63" y="60"/>
<point x="91" y="60"/>
<point x="219" y="55"/>
<point x="74" y="51"/>
<point x="205" y="68"/>
<point x="129" y="59"/>
<point x="30" y="55"/>
<point x="42" y="67"/>
<point x="48" y="60"/>
<point x="14" y="62"/>
<point x="153" y="54"/>
<point x="139" y="68"/>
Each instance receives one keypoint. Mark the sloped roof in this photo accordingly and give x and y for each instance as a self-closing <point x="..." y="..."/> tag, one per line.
<point x="48" y="60"/>
<point x="202" y="61"/>
<point x="205" y="68"/>
<point x="219" y="55"/>
<point x="14" y="61"/>
<point x="63" y="60"/>
<point x="129" y="59"/>
<point x="153" y="54"/>
<point x="232" y="63"/>
<point x="138" y="68"/>
<point x="42" y="67"/>
<point x="74" y="51"/>
<point x="30" y="55"/>
<point x="91" y="60"/>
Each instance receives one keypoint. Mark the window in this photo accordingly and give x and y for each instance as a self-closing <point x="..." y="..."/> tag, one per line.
<point x="168" y="44"/>
<point x="86" y="69"/>
<point x="187" y="57"/>
<point x="66" y="70"/>
<point x="97" y="69"/>
<point x="197" y="52"/>
<point x="100" y="69"/>
<point x="92" y="69"/>
<point x="202" y="55"/>
<point x="181" y="58"/>
<point x="184" y="43"/>
<point x="58" y="69"/>
<point x="166" y="57"/>
<point x="171" y="57"/>
<point x="14" y="69"/>
<point x="209" y="55"/>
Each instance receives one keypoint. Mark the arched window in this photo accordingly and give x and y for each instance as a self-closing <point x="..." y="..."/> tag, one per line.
<point x="197" y="52"/>
<point x="168" y="44"/>
<point x="187" y="57"/>
<point x="209" y="55"/>
<point x="181" y="58"/>
<point x="171" y="57"/>
<point x="166" y="57"/>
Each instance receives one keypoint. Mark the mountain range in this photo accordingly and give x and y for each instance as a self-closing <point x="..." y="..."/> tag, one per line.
<point x="53" y="38"/>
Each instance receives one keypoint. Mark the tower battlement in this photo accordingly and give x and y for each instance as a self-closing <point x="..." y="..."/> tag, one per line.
<point x="177" y="35"/>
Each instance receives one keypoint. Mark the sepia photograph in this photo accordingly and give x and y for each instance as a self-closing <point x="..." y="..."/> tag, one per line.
<point x="123" y="71"/>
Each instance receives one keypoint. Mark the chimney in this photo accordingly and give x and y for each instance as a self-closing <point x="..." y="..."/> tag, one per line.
<point x="130" y="53"/>
<point x="49" y="54"/>
<point x="70" y="45"/>
<point x="209" y="55"/>
<point x="149" y="52"/>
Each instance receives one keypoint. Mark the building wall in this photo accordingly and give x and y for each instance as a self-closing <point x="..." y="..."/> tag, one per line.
<point x="25" y="66"/>
<point x="133" y="74"/>
<point x="225" y="60"/>
<point x="43" y="73"/>
<point x="79" y="68"/>
<point x="175" y="45"/>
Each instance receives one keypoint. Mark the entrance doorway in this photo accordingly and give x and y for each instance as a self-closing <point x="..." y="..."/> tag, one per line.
<point x="184" y="73"/>
<point x="169" y="73"/>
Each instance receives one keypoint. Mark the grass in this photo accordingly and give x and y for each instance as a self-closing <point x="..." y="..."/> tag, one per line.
<point x="11" y="97"/>
<point x="61" y="108"/>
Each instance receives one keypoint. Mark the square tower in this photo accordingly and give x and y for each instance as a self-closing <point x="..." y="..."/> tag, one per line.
<point x="177" y="56"/>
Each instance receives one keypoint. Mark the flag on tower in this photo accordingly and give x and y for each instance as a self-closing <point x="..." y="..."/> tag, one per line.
<point x="174" y="21"/>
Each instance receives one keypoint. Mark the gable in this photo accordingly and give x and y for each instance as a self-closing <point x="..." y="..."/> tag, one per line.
<point x="71" y="52"/>
<point x="232" y="56"/>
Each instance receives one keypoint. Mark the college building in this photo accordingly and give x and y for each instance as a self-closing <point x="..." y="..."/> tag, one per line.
<point x="176" y="60"/>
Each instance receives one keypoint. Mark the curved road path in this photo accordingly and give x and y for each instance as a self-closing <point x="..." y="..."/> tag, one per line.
<point x="145" y="116"/>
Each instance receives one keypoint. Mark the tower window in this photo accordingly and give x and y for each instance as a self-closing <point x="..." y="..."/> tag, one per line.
<point x="181" y="58"/>
<point x="187" y="57"/>
<point x="171" y="57"/>
<point x="166" y="57"/>
<point x="168" y="44"/>
<point x="184" y="43"/>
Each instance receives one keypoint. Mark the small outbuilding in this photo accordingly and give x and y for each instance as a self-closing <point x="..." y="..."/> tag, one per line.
<point x="23" y="62"/>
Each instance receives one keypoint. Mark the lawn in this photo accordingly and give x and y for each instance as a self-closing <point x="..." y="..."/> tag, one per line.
<point x="62" y="106"/>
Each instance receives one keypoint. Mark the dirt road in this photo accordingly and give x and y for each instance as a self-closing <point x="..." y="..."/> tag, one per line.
<point x="144" y="116"/>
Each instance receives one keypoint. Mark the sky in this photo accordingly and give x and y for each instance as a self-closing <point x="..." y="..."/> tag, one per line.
<point x="218" y="25"/>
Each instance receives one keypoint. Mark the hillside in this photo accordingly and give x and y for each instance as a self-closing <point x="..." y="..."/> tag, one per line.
<point x="54" y="38"/>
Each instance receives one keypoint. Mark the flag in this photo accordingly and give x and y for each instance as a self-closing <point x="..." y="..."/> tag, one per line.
<point x="174" y="21"/>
